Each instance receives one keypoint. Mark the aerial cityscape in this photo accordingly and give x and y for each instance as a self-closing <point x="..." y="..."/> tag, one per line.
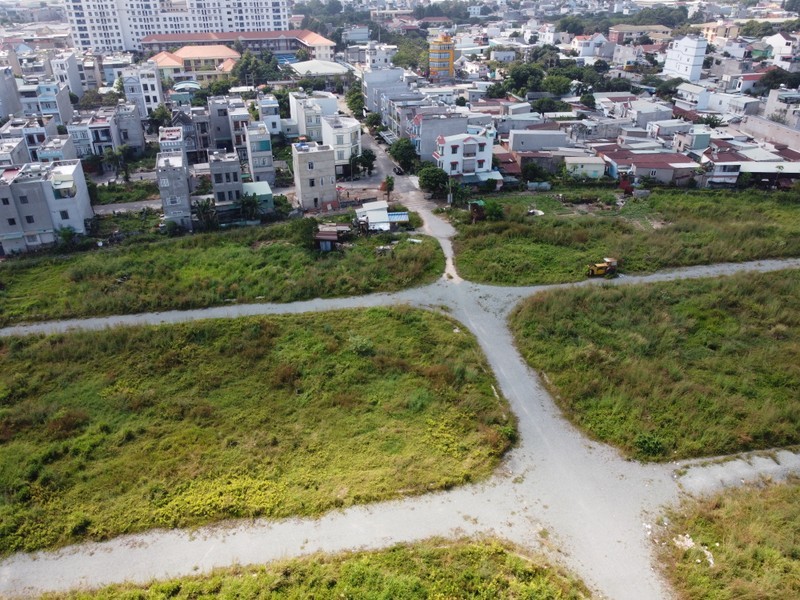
<point x="400" y="299"/>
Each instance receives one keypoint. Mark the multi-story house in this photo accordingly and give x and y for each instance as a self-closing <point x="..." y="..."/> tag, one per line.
<point x="219" y="121"/>
<point x="129" y="125"/>
<point x="314" y="167"/>
<point x="34" y="130"/>
<point x="441" y="56"/>
<point x="170" y="139"/>
<point x="9" y="96"/>
<point x="428" y="124"/>
<point x="113" y="25"/>
<point x="95" y="132"/>
<point x="238" y="120"/>
<point x="685" y="58"/>
<point x="783" y="106"/>
<point x="465" y="154"/>
<point x="226" y="177"/>
<point x="112" y="65"/>
<point x="65" y="70"/>
<point x="308" y="108"/>
<point x="47" y="98"/>
<point x="196" y="139"/>
<point x="259" y="152"/>
<point x="142" y="86"/>
<point x="13" y="151"/>
<point x="37" y="200"/>
<point x="343" y="134"/>
<point x="588" y="45"/>
<point x="172" y="176"/>
<point x="269" y="112"/>
<point x="621" y="34"/>
<point x="785" y="51"/>
<point x="58" y="148"/>
<point x="203" y="64"/>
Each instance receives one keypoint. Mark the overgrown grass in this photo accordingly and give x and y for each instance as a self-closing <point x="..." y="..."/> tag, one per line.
<point x="677" y="369"/>
<point x="698" y="228"/>
<point x="753" y="536"/>
<point x="105" y="433"/>
<point x="271" y="264"/>
<point x="433" y="569"/>
<point x="133" y="191"/>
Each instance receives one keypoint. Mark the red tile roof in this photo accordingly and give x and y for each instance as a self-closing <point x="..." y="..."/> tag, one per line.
<point x="308" y="37"/>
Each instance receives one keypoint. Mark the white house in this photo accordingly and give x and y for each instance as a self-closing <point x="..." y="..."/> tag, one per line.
<point x="592" y="167"/>
<point x="685" y="58"/>
<point x="784" y="51"/>
<point x="588" y="45"/>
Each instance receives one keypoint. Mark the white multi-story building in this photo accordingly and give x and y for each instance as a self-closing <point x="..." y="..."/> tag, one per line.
<point x="46" y="98"/>
<point x="113" y="25"/>
<point x="685" y="58"/>
<point x="269" y="112"/>
<point x="308" y="109"/>
<point x="314" y="168"/>
<point x="66" y="71"/>
<point x="464" y="154"/>
<point x="142" y="85"/>
<point x="259" y="152"/>
<point x="343" y="134"/>
<point x="37" y="200"/>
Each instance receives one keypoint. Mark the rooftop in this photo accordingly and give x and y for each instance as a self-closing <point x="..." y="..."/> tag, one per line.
<point x="303" y="35"/>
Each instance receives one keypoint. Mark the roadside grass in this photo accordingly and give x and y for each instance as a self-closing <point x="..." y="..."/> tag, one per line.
<point x="269" y="264"/>
<point x="133" y="191"/>
<point x="753" y="536"/>
<point x="129" y="429"/>
<point x="430" y="569"/>
<point x="673" y="370"/>
<point x="668" y="229"/>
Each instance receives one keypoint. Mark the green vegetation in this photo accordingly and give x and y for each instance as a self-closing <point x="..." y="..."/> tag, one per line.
<point x="669" y="229"/>
<point x="673" y="370"/>
<point x="104" y="433"/>
<point x="752" y="535"/>
<point x="432" y="569"/>
<point x="270" y="264"/>
<point x="134" y="191"/>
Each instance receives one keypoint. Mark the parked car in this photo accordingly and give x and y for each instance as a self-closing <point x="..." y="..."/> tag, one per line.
<point x="398" y="171"/>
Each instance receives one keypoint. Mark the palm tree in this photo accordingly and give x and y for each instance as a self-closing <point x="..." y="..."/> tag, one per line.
<point x="388" y="186"/>
<point x="206" y="214"/>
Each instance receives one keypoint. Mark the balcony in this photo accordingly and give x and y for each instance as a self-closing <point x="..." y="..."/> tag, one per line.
<point x="470" y="154"/>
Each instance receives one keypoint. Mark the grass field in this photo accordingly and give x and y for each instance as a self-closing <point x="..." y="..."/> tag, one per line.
<point x="669" y="229"/>
<point x="433" y="569"/>
<point x="270" y="264"/>
<point x="104" y="433"/>
<point x="673" y="370"/>
<point x="752" y="535"/>
<point x="133" y="191"/>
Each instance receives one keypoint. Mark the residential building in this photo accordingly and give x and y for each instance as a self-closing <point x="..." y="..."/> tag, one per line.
<point x="37" y="200"/>
<point x="142" y="86"/>
<point x="307" y="109"/>
<point x="355" y="34"/>
<point x="343" y="134"/>
<point x="95" y="132"/>
<point x="621" y="34"/>
<point x="531" y="140"/>
<point x="588" y="45"/>
<point x="314" y="167"/>
<point x="428" y="124"/>
<point x="783" y="106"/>
<point x="112" y="65"/>
<point x="219" y="121"/>
<point x="642" y="112"/>
<point x="441" y="56"/>
<point x="269" y="112"/>
<point x="378" y="55"/>
<point x="463" y="154"/>
<point x="590" y="167"/>
<point x="46" y="98"/>
<point x="785" y="51"/>
<point x="113" y="25"/>
<point x="280" y="43"/>
<point x="13" y="151"/>
<point x="718" y="32"/>
<point x="259" y="152"/>
<point x="170" y="139"/>
<point x="203" y="64"/>
<point x="226" y="178"/>
<point x="685" y="58"/>
<point x="689" y="96"/>
<point x="376" y="82"/>
<point x="130" y="127"/>
<point x="172" y="176"/>
<point x="9" y="96"/>
<point x="58" y="148"/>
<point x="65" y="71"/>
<point x="238" y="119"/>
<point x="34" y="130"/>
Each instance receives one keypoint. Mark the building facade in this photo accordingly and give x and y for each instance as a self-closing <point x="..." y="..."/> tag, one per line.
<point x="259" y="152"/>
<point x="343" y="134"/>
<point x="172" y="175"/>
<point x="314" y="167"/>
<point x="685" y="58"/>
<point x="142" y="85"/>
<point x="441" y="56"/>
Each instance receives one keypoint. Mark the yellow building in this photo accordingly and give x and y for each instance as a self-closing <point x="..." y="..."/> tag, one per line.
<point x="203" y="64"/>
<point x="441" y="56"/>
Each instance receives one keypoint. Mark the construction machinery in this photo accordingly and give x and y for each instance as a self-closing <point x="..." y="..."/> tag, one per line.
<point x="607" y="268"/>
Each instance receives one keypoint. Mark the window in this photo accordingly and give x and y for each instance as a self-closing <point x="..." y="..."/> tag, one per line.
<point x="339" y="140"/>
<point x="220" y="196"/>
<point x="64" y="214"/>
<point x="236" y="177"/>
<point x="481" y="147"/>
<point x="217" y="177"/>
<point x="311" y="182"/>
<point x="32" y="239"/>
<point x="12" y="222"/>
<point x="5" y="201"/>
<point x="310" y="166"/>
<point x="29" y="219"/>
<point x="23" y="199"/>
<point x="163" y="182"/>
<point x="453" y="149"/>
<point x="653" y="173"/>
<point x="340" y="155"/>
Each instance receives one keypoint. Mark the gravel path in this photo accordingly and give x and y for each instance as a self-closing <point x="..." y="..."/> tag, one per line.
<point x="575" y="499"/>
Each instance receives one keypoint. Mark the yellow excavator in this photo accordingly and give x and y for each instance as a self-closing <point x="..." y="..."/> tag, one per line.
<point x="607" y="268"/>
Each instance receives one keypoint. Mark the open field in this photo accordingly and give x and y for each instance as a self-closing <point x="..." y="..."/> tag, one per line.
<point x="672" y="370"/>
<point x="751" y="534"/>
<point x="433" y="569"/>
<point x="669" y="229"/>
<point x="124" y="430"/>
<point x="133" y="191"/>
<point x="270" y="264"/>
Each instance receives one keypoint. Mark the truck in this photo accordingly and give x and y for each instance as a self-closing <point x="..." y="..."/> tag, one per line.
<point x="607" y="268"/>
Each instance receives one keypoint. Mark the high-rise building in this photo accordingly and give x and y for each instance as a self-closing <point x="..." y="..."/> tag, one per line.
<point x="113" y="25"/>
<point x="441" y="57"/>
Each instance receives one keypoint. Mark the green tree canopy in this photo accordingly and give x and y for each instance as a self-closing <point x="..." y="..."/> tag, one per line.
<point x="404" y="153"/>
<point x="434" y="180"/>
<point x="556" y="85"/>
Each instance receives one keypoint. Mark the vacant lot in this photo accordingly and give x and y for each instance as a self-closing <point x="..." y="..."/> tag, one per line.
<point x="270" y="264"/>
<point x="669" y="229"/>
<point x="419" y="571"/>
<point x="133" y="191"/>
<point x="677" y="369"/>
<point x="104" y="433"/>
<point x="751" y="534"/>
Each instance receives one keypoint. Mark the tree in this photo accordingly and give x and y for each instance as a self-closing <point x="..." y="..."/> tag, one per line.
<point x="404" y="153"/>
<point x="249" y="207"/>
<point x="114" y="159"/>
<point x="556" y="85"/>
<point x="493" y="210"/>
<point x="461" y="101"/>
<point x="434" y="180"/>
<point x="302" y="55"/>
<point x="206" y="214"/>
<point x="533" y="172"/>
<point x="355" y="100"/>
<point x="388" y="187"/>
<point x="160" y="116"/>
<point x="367" y="160"/>
<point x="588" y="101"/>
<point x="496" y="90"/>
<point x="373" y="120"/>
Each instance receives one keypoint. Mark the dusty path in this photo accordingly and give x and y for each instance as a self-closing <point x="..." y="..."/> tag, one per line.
<point x="557" y="491"/>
